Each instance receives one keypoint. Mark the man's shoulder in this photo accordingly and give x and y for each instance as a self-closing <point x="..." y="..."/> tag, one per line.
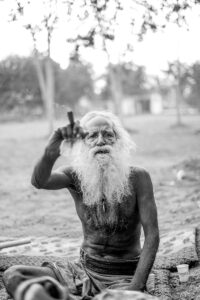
<point x="140" y="176"/>
<point x="138" y="171"/>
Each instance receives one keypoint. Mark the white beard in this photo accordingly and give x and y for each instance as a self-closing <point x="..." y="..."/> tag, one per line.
<point x="102" y="175"/>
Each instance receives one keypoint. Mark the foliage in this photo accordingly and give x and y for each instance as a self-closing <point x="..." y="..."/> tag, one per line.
<point x="73" y="83"/>
<point x="133" y="80"/>
<point x="104" y="20"/>
<point x="194" y="96"/>
<point x="18" y="82"/>
<point x="41" y="19"/>
<point x="44" y="22"/>
<point x="188" y="79"/>
<point x="98" y="24"/>
<point x="158" y="14"/>
<point x="179" y="73"/>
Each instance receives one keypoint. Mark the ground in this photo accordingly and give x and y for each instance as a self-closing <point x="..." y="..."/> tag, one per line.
<point x="171" y="154"/>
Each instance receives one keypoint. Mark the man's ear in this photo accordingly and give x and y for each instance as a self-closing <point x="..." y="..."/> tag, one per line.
<point x="116" y="134"/>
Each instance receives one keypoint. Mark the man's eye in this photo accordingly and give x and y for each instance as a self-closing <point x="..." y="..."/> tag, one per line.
<point x="109" y="135"/>
<point x="92" y="136"/>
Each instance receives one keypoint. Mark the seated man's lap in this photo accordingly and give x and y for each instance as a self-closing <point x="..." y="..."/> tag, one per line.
<point x="71" y="275"/>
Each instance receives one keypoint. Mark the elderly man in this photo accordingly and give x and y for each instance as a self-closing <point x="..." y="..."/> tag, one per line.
<point x="113" y="200"/>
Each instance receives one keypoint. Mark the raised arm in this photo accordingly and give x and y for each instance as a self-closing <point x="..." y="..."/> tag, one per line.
<point x="43" y="177"/>
<point x="148" y="216"/>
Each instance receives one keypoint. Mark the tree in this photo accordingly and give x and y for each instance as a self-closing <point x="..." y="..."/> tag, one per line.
<point x="46" y="15"/>
<point x="19" y="84"/>
<point x="18" y="77"/>
<point x="161" y="14"/>
<point x="104" y="21"/>
<point x="133" y="81"/>
<point x="21" y="10"/>
<point x="175" y="12"/>
<point x="100" y="22"/>
<point x="73" y="83"/>
<point x="179" y="73"/>
<point x="194" y="95"/>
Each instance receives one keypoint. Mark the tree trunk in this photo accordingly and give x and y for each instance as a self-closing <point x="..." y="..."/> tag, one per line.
<point x="50" y="92"/>
<point x="46" y="84"/>
<point x="116" y="89"/>
<point x="41" y="81"/>
<point x="178" y="112"/>
<point x="178" y="98"/>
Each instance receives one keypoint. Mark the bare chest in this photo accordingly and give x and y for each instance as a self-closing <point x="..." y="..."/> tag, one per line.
<point x="109" y="217"/>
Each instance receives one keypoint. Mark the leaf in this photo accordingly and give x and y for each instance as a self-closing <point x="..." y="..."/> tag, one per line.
<point x="109" y="36"/>
<point x="176" y="8"/>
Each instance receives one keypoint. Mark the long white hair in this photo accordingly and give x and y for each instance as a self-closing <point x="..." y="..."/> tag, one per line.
<point x="121" y="133"/>
<point x="104" y="176"/>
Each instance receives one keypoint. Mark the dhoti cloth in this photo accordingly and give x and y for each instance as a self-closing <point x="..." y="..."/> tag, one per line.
<point x="90" y="275"/>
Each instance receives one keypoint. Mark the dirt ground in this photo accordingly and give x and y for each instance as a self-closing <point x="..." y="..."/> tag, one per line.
<point x="171" y="154"/>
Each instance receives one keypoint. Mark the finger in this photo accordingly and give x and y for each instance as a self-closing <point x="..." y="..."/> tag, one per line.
<point x="69" y="131"/>
<point x="83" y="133"/>
<point x="63" y="132"/>
<point x="78" y="131"/>
<point x="76" y="128"/>
<point x="66" y="132"/>
<point x="57" y="134"/>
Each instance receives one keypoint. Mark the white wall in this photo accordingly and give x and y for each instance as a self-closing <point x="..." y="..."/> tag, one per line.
<point x="156" y="104"/>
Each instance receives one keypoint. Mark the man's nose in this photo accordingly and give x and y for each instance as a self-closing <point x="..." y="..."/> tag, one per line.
<point x="100" y="140"/>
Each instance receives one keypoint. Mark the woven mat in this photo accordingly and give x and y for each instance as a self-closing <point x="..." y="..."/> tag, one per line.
<point x="177" y="247"/>
<point x="166" y="287"/>
<point x="123" y="295"/>
<point x="47" y="246"/>
<point x="198" y="242"/>
<point x="185" y="291"/>
<point x="159" y="286"/>
<point x="3" y="295"/>
<point x="162" y="288"/>
<point x="8" y="261"/>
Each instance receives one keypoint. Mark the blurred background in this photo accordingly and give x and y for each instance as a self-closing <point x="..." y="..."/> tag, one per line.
<point x="139" y="59"/>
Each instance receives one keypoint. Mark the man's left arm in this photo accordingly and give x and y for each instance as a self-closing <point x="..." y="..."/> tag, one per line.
<point x="148" y="217"/>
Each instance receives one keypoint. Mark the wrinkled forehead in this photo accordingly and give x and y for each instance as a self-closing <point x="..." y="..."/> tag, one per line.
<point x="98" y="123"/>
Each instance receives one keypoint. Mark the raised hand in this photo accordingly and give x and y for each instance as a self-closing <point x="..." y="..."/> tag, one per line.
<point x="69" y="133"/>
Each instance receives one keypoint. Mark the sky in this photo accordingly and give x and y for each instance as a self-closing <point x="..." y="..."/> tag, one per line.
<point x="153" y="52"/>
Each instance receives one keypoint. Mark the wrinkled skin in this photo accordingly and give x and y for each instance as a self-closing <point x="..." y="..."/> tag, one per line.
<point x="136" y="211"/>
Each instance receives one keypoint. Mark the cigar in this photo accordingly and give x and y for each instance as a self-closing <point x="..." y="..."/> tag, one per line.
<point x="70" y="116"/>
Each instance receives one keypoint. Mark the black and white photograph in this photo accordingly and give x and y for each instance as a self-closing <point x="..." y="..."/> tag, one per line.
<point x="99" y="150"/>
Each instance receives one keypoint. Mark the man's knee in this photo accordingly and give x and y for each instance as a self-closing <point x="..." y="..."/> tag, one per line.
<point x="10" y="272"/>
<point x="12" y="277"/>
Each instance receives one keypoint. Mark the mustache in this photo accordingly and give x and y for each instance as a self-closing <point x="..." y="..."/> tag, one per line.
<point x="101" y="150"/>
